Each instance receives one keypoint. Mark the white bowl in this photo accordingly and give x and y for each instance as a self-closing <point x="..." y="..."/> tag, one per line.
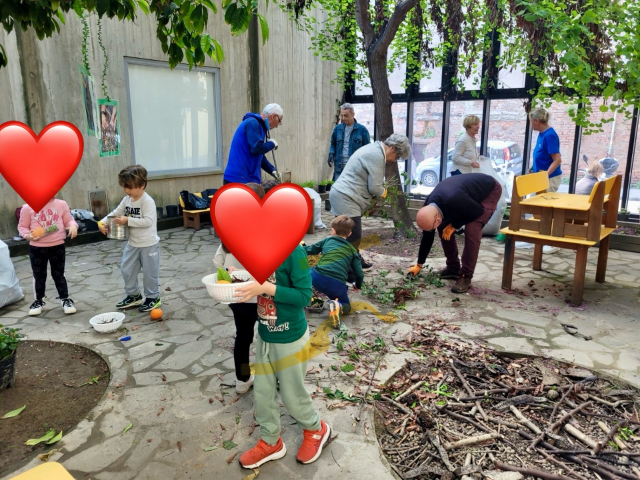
<point x="225" y="292"/>
<point x="98" y="322"/>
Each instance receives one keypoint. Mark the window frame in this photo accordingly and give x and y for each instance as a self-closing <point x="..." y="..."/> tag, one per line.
<point x="217" y="104"/>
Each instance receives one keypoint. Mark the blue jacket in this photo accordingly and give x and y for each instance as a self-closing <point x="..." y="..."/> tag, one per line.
<point x="359" y="138"/>
<point x="247" y="152"/>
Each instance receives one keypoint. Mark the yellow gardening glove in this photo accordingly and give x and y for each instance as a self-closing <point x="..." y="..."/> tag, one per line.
<point x="384" y="195"/>
<point x="446" y="233"/>
<point x="415" y="270"/>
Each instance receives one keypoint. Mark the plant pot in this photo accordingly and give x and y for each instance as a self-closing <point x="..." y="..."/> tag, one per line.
<point x="7" y="369"/>
<point x="172" y="211"/>
<point x="322" y="188"/>
<point x="328" y="187"/>
<point x="327" y="205"/>
<point x="623" y="217"/>
<point x="159" y="211"/>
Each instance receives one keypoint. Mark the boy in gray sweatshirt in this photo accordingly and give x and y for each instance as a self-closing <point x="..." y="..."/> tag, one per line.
<point x="142" y="252"/>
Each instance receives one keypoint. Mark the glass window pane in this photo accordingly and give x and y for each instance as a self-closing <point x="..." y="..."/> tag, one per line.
<point x="507" y="126"/>
<point x="609" y="147"/>
<point x="185" y="122"/>
<point x="475" y="79"/>
<point x="396" y="78"/>
<point x="425" y="145"/>
<point x="634" y="193"/>
<point x="434" y="81"/>
<point x="510" y="77"/>
<point x="561" y="122"/>
<point x="364" y="114"/>
<point x="459" y="110"/>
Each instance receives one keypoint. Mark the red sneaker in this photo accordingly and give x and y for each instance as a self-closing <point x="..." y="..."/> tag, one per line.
<point x="313" y="442"/>
<point x="262" y="453"/>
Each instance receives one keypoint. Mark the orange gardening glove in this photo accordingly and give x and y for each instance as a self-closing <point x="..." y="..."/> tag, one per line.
<point x="446" y="233"/>
<point x="415" y="270"/>
<point x="384" y="194"/>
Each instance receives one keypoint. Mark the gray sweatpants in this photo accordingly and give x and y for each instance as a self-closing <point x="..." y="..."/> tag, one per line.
<point x="146" y="259"/>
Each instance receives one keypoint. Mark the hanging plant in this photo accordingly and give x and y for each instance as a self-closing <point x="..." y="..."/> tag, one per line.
<point x="85" y="36"/>
<point x="105" y="66"/>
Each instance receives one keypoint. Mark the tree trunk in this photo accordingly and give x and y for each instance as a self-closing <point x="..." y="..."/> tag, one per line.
<point x="377" y="62"/>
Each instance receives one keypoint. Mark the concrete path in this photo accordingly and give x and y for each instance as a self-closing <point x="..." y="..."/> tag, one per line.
<point x="192" y="347"/>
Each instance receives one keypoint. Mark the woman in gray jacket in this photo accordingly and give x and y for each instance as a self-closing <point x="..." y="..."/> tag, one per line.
<point x="362" y="179"/>
<point x="465" y="153"/>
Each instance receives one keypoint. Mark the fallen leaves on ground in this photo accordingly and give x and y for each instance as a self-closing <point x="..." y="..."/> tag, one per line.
<point x="127" y="428"/>
<point x="180" y="447"/>
<point x="253" y="475"/>
<point x="230" y="459"/>
<point x="45" y="456"/>
<point x="160" y="411"/>
<point x="14" y="413"/>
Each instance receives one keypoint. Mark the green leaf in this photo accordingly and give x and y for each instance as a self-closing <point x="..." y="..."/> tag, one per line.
<point x="349" y="367"/>
<point x="127" y="428"/>
<point x="208" y="449"/>
<point x="144" y="6"/>
<point x="228" y="445"/>
<point x="604" y="108"/>
<point x="223" y="274"/>
<point x="205" y="42"/>
<point x="55" y="439"/>
<point x="211" y="5"/>
<point x="531" y="17"/>
<point x="61" y="17"/>
<point x="237" y="18"/>
<point x="589" y="16"/>
<point x="47" y="436"/>
<point x="14" y="413"/>
<point x="264" y="28"/>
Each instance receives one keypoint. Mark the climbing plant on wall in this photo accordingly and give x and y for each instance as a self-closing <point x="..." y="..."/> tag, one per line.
<point x="180" y="23"/>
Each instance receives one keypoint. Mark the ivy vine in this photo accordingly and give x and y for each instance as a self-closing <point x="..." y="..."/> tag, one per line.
<point x="85" y="37"/>
<point x="105" y="66"/>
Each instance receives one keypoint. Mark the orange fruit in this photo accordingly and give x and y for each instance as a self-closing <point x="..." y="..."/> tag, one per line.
<point x="222" y="281"/>
<point x="156" y="314"/>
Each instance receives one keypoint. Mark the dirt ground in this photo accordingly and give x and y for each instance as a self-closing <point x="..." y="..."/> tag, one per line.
<point x="48" y="376"/>
<point x="397" y="246"/>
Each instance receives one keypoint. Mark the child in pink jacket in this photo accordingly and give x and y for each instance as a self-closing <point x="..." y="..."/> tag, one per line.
<point x="55" y="218"/>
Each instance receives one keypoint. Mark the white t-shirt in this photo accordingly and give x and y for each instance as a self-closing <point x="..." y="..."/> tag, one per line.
<point x="143" y="220"/>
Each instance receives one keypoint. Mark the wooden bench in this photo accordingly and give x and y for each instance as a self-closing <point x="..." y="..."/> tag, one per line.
<point x="191" y="218"/>
<point x="561" y="220"/>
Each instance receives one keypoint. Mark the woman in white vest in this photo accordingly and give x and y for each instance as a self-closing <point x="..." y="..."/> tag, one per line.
<point x="465" y="153"/>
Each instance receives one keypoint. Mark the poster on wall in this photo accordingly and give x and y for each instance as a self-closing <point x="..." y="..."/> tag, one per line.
<point x="110" y="127"/>
<point x="90" y="102"/>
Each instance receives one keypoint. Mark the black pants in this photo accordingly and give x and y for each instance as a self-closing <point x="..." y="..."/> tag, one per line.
<point x="356" y="233"/>
<point x="245" y="316"/>
<point x="224" y="182"/>
<point x="55" y="256"/>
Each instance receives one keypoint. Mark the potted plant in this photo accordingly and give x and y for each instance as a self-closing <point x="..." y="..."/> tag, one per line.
<point x="623" y="215"/>
<point x="322" y="186"/>
<point x="9" y="340"/>
<point x="329" y="183"/>
<point x="309" y="184"/>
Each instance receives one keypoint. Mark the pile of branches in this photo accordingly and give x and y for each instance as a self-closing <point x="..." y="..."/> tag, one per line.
<point x="463" y="411"/>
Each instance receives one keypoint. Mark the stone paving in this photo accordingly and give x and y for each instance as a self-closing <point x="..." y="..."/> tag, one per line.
<point x="192" y="348"/>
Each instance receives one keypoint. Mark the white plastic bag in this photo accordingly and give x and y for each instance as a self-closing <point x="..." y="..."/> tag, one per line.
<point x="492" y="227"/>
<point x="317" y="207"/>
<point x="10" y="291"/>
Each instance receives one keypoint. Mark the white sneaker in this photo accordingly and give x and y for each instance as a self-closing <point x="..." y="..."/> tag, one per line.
<point x="243" y="387"/>
<point x="524" y="245"/>
<point x="36" y="307"/>
<point x="68" y="306"/>
<point x="549" y="249"/>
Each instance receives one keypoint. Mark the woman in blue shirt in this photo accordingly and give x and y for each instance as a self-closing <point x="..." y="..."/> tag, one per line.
<point x="546" y="154"/>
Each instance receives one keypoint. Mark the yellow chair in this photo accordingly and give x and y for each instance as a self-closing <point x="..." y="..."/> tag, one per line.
<point x="191" y="218"/>
<point x="46" y="471"/>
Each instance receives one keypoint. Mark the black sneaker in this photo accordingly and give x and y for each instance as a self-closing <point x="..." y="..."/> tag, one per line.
<point x="36" y="307"/>
<point x="365" y="266"/>
<point x="149" y="304"/>
<point x="448" y="274"/>
<point x="130" y="301"/>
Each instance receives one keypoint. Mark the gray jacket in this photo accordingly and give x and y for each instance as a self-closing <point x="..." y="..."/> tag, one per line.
<point x="359" y="182"/>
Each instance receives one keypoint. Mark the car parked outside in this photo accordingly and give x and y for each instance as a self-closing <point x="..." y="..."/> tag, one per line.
<point x="505" y="155"/>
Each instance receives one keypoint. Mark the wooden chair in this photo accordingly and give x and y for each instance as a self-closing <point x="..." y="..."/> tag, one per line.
<point x="46" y="471"/>
<point x="191" y="218"/>
<point x="575" y="228"/>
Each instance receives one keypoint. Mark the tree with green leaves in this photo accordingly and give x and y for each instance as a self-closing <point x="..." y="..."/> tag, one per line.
<point x="574" y="50"/>
<point x="180" y="30"/>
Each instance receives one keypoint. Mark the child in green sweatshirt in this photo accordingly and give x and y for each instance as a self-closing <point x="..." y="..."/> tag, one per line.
<point x="282" y="352"/>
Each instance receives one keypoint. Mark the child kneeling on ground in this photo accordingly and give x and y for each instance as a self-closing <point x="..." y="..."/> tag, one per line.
<point x="142" y="252"/>
<point x="282" y="352"/>
<point x="329" y="276"/>
<point x="46" y="232"/>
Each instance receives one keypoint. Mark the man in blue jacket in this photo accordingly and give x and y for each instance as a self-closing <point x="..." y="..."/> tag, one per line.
<point x="250" y="143"/>
<point x="347" y="137"/>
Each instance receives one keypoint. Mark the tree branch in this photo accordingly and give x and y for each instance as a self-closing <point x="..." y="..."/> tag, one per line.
<point x="397" y="17"/>
<point x="364" y="21"/>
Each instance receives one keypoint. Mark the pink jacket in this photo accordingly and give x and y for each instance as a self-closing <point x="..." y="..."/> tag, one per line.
<point x="55" y="212"/>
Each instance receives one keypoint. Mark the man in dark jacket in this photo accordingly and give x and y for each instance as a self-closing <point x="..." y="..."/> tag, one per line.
<point x="347" y="137"/>
<point x="250" y="143"/>
<point x="468" y="200"/>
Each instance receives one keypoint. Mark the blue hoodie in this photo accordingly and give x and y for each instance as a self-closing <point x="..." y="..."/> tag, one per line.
<point x="247" y="152"/>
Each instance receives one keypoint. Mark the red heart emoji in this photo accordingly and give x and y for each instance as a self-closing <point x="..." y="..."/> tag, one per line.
<point x="37" y="167"/>
<point x="261" y="233"/>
